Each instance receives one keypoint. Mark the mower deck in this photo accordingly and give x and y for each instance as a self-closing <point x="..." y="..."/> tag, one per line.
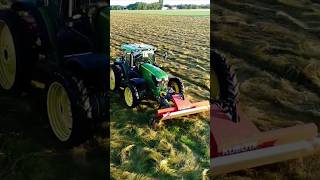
<point x="182" y="107"/>
<point x="236" y="146"/>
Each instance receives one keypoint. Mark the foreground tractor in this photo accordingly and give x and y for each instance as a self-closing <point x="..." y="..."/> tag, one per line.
<point x="60" y="47"/>
<point x="235" y="142"/>
<point x="137" y="74"/>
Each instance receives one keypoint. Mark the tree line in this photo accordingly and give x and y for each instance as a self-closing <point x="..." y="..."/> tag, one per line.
<point x="193" y="6"/>
<point x="156" y="6"/>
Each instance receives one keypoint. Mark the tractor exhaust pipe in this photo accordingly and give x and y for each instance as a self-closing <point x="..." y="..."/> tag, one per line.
<point x="70" y="12"/>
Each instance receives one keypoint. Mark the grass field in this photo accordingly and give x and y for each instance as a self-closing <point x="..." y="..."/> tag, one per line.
<point x="274" y="47"/>
<point x="191" y="12"/>
<point x="181" y="148"/>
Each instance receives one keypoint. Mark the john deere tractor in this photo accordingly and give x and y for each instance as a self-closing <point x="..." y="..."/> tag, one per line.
<point x="59" y="46"/>
<point x="139" y="76"/>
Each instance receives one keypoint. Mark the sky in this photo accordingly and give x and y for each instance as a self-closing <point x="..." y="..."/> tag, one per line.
<point x="170" y="2"/>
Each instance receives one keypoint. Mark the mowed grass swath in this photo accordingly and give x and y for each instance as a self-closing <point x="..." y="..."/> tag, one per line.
<point x="181" y="147"/>
<point x="274" y="48"/>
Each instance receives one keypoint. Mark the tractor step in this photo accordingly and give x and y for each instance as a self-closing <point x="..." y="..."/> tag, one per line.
<point x="237" y="146"/>
<point x="182" y="107"/>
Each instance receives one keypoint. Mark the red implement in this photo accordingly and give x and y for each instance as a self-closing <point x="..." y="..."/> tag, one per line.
<point x="182" y="107"/>
<point x="236" y="146"/>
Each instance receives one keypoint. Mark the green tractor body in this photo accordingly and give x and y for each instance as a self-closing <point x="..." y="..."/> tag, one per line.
<point x="60" y="46"/>
<point x="150" y="73"/>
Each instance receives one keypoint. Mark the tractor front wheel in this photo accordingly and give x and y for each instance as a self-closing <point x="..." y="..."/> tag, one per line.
<point x="177" y="85"/>
<point x="131" y="96"/>
<point x="68" y="109"/>
<point x="224" y="86"/>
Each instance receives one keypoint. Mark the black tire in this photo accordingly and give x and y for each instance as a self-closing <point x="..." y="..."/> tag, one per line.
<point x="135" y="95"/>
<point x="82" y="123"/>
<point x="24" y="46"/>
<point x="228" y="87"/>
<point x="176" y="81"/>
<point x="117" y="76"/>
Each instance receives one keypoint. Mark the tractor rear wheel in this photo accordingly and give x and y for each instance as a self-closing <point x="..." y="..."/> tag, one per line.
<point x="131" y="95"/>
<point x="177" y="85"/>
<point x="69" y="110"/>
<point x="224" y="86"/>
<point x="16" y="52"/>
<point x="115" y="77"/>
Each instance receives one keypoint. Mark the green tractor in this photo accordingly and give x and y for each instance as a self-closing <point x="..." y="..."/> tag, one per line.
<point x="59" y="46"/>
<point x="138" y="76"/>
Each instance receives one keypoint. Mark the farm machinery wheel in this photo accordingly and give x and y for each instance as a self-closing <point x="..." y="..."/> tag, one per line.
<point x="224" y="86"/>
<point x="68" y="109"/>
<point x="131" y="95"/>
<point x="115" y="77"/>
<point x="177" y="85"/>
<point x="16" y="53"/>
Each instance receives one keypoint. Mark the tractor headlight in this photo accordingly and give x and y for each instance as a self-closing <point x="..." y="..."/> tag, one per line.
<point x="161" y="82"/>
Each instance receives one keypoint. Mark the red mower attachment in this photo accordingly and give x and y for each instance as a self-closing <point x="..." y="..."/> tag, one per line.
<point x="182" y="107"/>
<point x="237" y="146"/>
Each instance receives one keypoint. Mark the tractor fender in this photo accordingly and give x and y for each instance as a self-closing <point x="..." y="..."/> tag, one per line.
<point x="91" y="67"/>
<point x="140" y="83"/>
<point x="170" y="76"/>
<point x="137" y="81"/>
<point x="121" y="65"/>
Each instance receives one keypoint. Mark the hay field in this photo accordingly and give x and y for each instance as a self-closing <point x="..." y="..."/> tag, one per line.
<point x="274" y="47"/>
<point x="181" y="148"/>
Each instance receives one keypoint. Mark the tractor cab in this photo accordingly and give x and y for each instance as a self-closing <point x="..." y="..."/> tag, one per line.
<point x="69" y="27"/>
<point x="75" y="32"/>
<point x="137" y="54"/>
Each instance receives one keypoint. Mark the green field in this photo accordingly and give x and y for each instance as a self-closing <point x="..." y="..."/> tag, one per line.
<point x="192" y="12"/>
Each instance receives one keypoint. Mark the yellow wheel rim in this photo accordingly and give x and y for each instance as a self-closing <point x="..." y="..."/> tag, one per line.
<point x="215" y="89"/>
<point x="59" y="111"/>
<point x="128" y="96"/>
<point x="7" y="57"/>
<point x="175" y="87"/>
<point x="112" y="80"/>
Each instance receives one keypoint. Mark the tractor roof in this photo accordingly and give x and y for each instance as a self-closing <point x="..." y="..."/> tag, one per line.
<point x="137" y="47"/>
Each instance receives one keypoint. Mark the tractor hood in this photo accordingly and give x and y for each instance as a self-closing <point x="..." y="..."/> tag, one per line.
<point x="154" y="70"/>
